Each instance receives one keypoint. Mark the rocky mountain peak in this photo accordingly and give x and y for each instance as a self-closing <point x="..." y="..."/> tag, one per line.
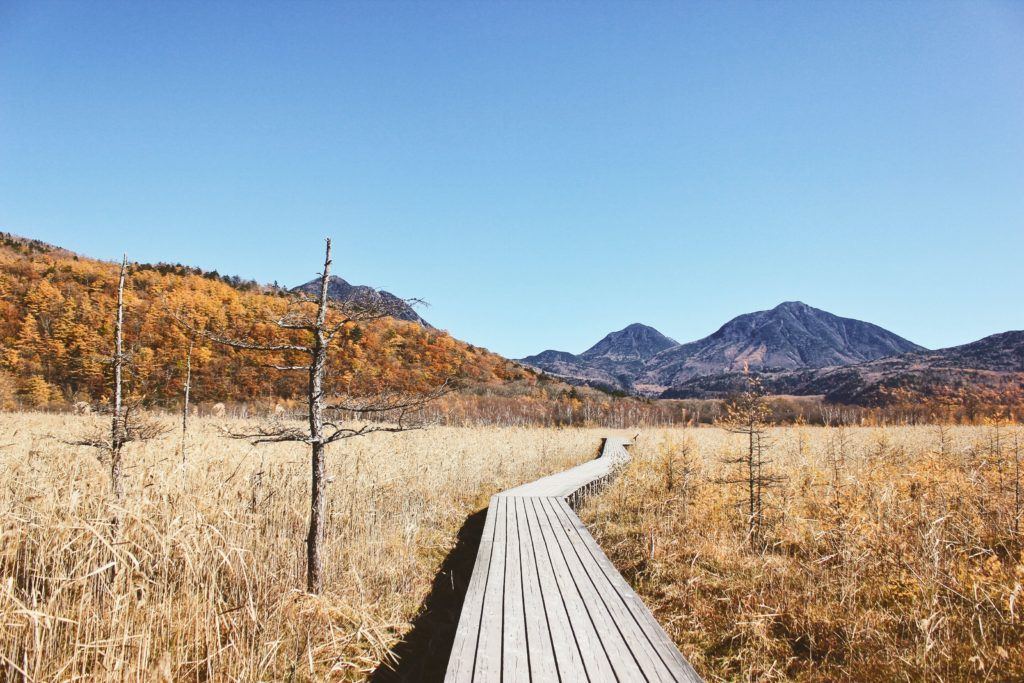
<point x="790" y="336"/>
<point x="341" y="290"/>
<point x="632" y="343"/>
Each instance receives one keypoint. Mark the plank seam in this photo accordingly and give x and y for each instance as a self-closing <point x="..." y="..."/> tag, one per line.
<point x="572" y="629"/>
<point x="601" y="597"/>
<point x="483" y="601"/>
<point x="522" y="595"/>
<point x="625" y="603"/>
<point x="504" y="591"/>
<point x="543" y="600"/>
<point x="586" y="607"/>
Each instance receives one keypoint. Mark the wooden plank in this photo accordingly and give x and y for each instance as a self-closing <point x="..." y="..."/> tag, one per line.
<point x="564" y="483"/>
<point x="545" y="610"/>
<point x="489" y="651"/>
<point x="623" y="660"/>
<point x="659" y="640"/>
<point x="544" y="602"/>
<point x="657" y="654"/>
<point x="515" y="660"/>
<point x="595" y="660"/>
<point x="463" y="657"/>
<point x="589" y="573"/>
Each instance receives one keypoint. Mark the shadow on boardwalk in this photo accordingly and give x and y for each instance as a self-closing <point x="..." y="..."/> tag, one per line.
<point x="423" y="654"/>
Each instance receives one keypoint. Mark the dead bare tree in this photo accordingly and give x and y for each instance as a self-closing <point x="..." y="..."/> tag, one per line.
<point x="186" y="390"/>
<point x="677" y="464"/>
<point x="942" y="431"/>
<point x="127" y="424"/>
<point x="748" y="413"/>
<point x="118" y="432"/>
<point x="328" y="412"/>
<point x="835" y="458"/>
<point x="1004" y="457"/>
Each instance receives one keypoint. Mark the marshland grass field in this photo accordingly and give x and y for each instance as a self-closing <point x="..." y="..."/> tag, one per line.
<point x="210" y="553"/>
<point x="891" y="553"/>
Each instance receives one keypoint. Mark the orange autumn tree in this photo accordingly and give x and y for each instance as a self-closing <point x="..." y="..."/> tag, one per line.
<point x="56" y="317"/>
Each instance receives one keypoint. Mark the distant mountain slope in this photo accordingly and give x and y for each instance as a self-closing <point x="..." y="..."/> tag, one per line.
<point x="790" y="336"/>
<point x="56" y="309"/>
<point x="341" y="290"/>
<point x="989" y="371"/>
<point x="612" y="362"/>
<point x="629" y="347"/>
<point x="993" y="365"/>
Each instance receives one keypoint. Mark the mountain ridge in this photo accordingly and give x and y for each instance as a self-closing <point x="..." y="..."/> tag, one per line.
<point x="790" y="336"/>
<point x="611" y="362"/>
<point x="341" y="290"/>
<point x="990" y="369"/>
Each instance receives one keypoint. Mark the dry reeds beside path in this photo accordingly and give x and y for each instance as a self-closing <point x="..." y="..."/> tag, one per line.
<point x="892" y="553"/>
<point x="203" y="580"/>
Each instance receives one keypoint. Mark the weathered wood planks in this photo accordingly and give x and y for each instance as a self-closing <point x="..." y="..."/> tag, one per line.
<point x="544" y="602"/>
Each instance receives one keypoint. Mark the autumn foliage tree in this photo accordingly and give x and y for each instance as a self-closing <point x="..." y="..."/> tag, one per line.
<point x="56" y="317"/>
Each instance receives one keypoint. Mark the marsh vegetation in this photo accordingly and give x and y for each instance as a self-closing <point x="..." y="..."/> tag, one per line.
<point x="203" y="581"/>
<point x="883" y="553"/>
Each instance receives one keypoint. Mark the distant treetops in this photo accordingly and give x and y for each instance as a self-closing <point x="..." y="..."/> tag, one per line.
<point x="56" y="335"/>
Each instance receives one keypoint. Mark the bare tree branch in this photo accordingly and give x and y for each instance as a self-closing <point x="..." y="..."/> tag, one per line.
<point x="238" y="343"/>
<point x="274" y="432"/>
<point x="390" y="401"/>
<point x="303" y="324"/>
<point x="347" y="433"/>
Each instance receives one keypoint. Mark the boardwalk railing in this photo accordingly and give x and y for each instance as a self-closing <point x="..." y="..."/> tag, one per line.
<point x="544" y="602"/>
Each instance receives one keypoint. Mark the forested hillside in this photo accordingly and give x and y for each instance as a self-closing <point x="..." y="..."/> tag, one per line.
<point x="56" y="322"/>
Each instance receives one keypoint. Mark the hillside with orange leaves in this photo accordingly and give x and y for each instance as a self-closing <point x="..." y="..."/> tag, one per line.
<point x="56" y="327"/>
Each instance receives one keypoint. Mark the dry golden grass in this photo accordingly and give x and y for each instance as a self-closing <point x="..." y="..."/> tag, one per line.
<point x="893" y="553"/>
<point x="210" y="554"/>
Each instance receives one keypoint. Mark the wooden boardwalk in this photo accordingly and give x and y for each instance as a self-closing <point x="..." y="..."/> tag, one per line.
<point x="545" y="604"/>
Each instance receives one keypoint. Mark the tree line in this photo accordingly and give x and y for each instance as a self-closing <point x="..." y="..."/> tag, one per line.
<point x="56" y="319"/>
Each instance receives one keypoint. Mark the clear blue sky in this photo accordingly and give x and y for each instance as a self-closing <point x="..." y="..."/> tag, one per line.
<point x="542" y="173"/>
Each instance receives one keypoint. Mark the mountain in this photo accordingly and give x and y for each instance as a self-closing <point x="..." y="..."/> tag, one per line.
<point x="790" y="336"/>
<point x="629" y="347"/>
<point x="989" y="371"/>
<point x="612" y="362"/>
<point x="340" y="290"/>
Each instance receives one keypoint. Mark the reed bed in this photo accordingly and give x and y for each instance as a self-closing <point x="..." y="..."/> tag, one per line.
<point x="201" y="578"/>
<point x="891" y="554"/>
